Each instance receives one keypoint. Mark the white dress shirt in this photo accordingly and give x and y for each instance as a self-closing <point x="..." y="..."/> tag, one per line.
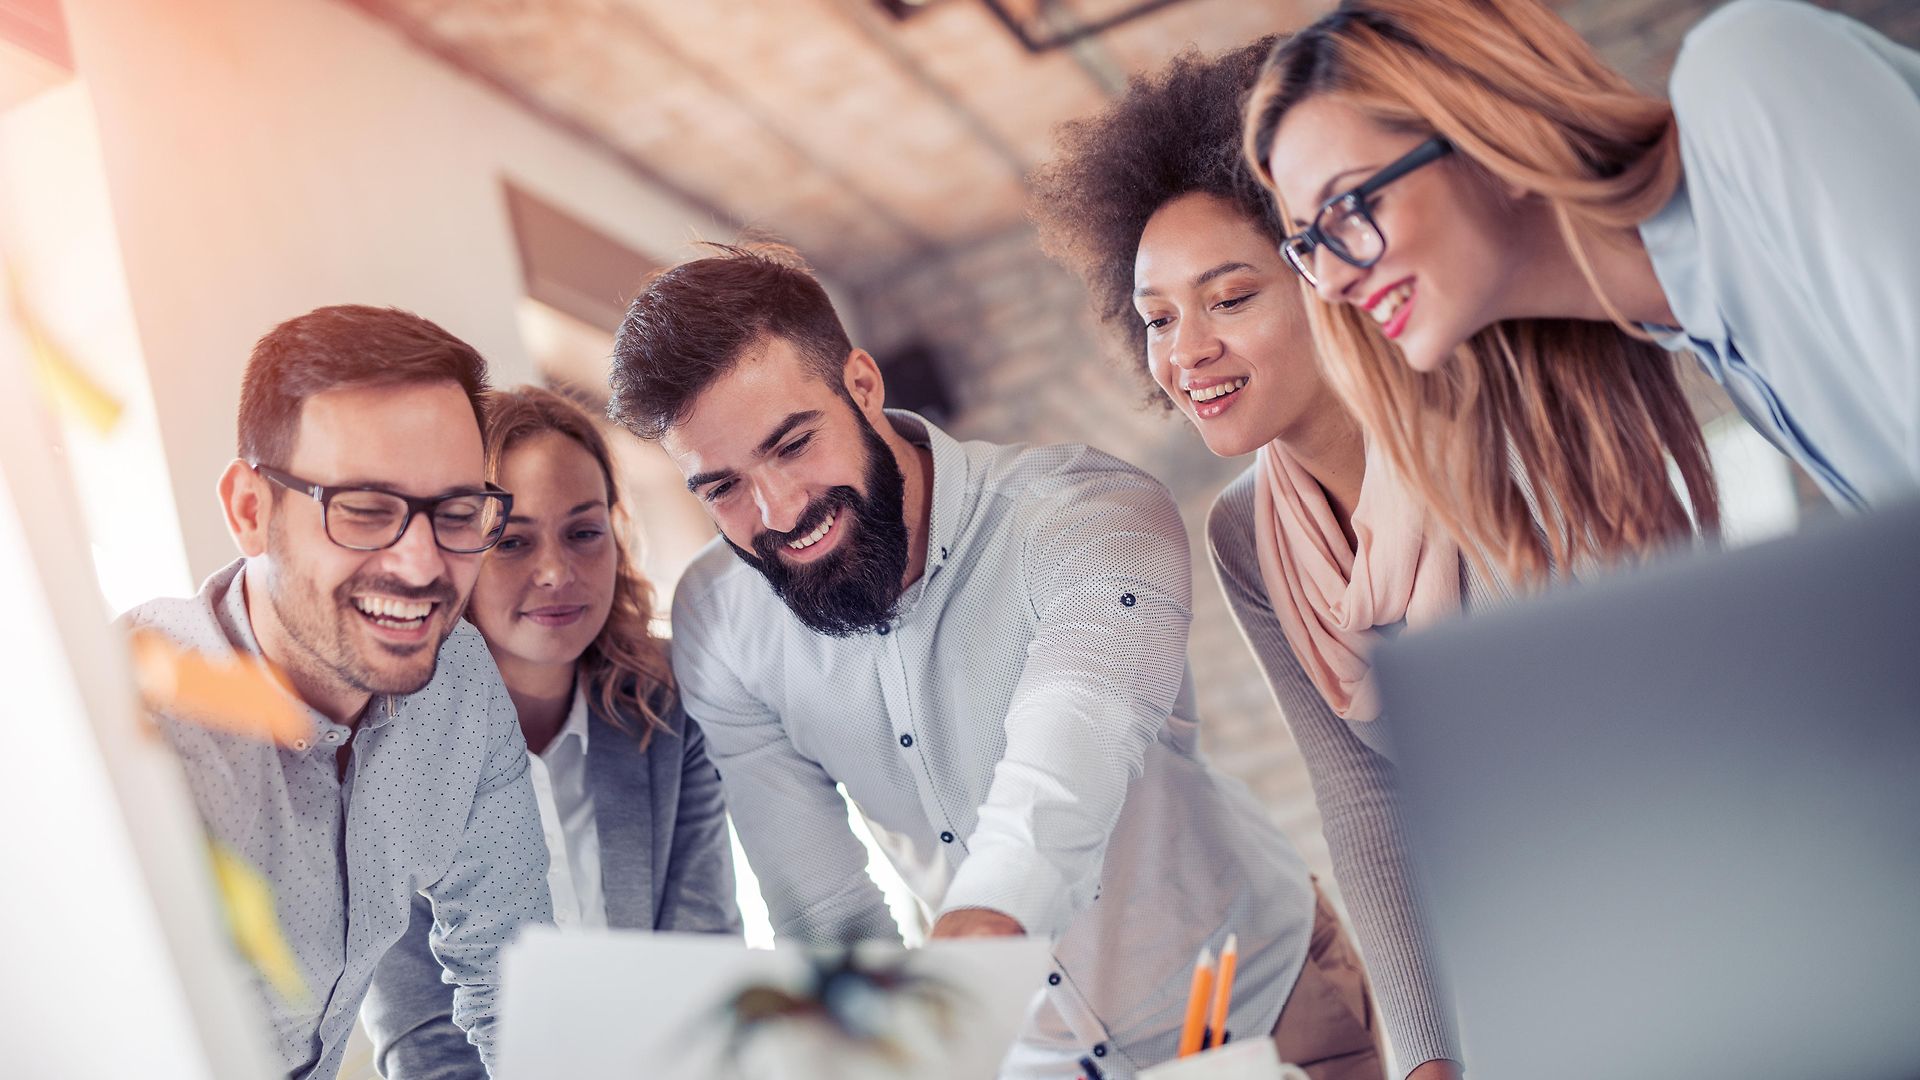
<point x="1027" y="720"/>
<point x="566" y="815"/>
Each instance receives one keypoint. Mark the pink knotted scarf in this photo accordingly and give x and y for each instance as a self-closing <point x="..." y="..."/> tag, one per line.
<point x="1329" y="596"/>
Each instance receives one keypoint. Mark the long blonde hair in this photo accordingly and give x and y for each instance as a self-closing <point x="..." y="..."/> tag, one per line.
<point x="626" y="665"/>
<point x="1589" y="410"/>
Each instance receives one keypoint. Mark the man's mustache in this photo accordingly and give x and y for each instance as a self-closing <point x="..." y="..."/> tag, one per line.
<point x="441" y="591"/>
<point x="769" y="542"/>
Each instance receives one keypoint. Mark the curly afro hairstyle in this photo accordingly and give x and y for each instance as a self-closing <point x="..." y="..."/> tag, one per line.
<point x="1171" y="134"/>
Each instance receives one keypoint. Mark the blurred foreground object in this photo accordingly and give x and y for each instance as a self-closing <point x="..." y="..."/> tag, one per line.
<point x="711" y="1008"/>
<point x="255" y="923"/>
<point x="243" y="696"/>
<point x="1670" y="819"/>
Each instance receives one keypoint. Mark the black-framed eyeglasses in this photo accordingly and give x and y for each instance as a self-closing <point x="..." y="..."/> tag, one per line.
<point x="373" y="519"/>
<point x="1344" y="224"/>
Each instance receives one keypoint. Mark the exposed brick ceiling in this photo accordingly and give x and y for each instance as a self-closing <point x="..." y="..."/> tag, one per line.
<point x="868" y="142"/>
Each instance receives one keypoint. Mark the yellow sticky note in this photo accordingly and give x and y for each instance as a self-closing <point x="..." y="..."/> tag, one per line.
<point x="255" y="923"/>
<point x="64" y="381"/>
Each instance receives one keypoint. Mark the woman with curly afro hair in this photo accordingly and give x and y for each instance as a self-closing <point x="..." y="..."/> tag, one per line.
<point x="1319" y="546"/>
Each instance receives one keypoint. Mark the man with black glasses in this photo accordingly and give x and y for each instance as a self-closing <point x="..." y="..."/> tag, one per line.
<point x="360" y="507"/>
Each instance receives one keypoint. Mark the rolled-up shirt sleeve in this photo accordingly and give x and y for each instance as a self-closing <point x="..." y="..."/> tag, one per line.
<point x="497" y="882"/>
<point x="1109" y="578"/>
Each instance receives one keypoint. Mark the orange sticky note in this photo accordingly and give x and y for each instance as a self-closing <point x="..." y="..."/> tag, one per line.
<point x="242" y="695"/>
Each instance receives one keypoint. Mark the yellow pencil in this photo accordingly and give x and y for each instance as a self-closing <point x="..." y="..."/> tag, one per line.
<point x="1196" y="1021"/>
<point x="1223" y="990"/>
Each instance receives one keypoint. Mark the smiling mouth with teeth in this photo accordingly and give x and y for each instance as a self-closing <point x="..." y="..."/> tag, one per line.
<point x="395" y="614"/>
<point x="819" y="533"/>
<point x="1388" y="306"/>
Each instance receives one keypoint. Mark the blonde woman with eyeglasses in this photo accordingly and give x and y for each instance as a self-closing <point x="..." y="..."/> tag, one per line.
<point x="1503" y="235"/>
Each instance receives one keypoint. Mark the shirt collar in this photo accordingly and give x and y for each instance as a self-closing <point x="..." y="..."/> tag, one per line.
<point x="1672" y="239"/>
<point x="576" y="721"/>
<point x="948" y="483"/>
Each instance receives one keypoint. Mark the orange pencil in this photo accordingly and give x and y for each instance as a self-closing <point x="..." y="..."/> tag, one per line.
<point x="1223" y="990"/>
<point x="1196" y="1021"/>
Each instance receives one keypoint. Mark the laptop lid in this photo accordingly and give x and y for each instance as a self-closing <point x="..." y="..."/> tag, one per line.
<point x="1670" y="820"/>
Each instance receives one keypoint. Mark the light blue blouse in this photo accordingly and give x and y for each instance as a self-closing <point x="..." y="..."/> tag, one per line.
<point x="1791" y="252"/>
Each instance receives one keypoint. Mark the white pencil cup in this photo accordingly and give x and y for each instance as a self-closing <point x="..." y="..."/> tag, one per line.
<point x="1251" y="1059"/>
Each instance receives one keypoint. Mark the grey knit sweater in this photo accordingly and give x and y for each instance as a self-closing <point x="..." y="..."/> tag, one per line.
<point x="1354" y="784"/>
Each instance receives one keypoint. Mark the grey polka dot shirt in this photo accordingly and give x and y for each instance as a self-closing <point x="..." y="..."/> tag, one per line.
<point x="435" y="801"/>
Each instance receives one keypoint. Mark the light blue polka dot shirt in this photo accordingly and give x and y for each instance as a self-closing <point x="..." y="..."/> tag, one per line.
<point x="435" y="800"/>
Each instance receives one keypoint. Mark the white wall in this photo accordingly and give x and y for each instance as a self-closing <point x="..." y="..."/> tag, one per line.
<point x="264" y="159"/>
<point x="56" y="228"/>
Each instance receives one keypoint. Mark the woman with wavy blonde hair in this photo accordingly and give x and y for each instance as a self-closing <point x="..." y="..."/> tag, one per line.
<point x="635" y="827"/>
<point x="1502" y="228"/>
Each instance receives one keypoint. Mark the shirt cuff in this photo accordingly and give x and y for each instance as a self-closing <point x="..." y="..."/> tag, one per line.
<point x="1013" y="881"/>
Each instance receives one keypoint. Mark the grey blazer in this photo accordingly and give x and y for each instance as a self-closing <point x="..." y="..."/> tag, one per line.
<point x="665" y="864"/>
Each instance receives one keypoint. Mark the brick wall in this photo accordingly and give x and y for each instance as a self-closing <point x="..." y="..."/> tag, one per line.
<point x="1024" y="362"/>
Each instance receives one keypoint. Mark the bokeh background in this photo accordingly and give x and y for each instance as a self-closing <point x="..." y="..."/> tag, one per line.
<point x="178" y="176"/>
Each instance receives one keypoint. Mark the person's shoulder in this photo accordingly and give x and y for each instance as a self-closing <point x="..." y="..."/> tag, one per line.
<point x="1062" y="476"/>
<point x="716" y="572"/>
<point x="465" y="650"/>
<point x="463" y="672"/>
<point x="719" y="592"/>
<point x="173" y="616"/>
<point x="1744" y="49"/>
<point x="1751" y="22"/>
<point x="190" y="621"/>
<point x="1230" y="517"/>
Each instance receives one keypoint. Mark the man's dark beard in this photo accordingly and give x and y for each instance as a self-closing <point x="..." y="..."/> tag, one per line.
<point x="853" y="588"/>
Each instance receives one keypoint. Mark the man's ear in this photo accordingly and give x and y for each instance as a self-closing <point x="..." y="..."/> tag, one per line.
<point x="864" y="385"/>
<point x="248" y="504"/>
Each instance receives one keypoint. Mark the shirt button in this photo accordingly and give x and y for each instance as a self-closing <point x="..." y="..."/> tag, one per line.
<point x="1099" y="1049"/>
<point x="1053" y="978"/>
<point x="946" y="838"/>
<point x="906" y="740"/>
<point x="1126" y="600"/>
<point x="882" y="629"/>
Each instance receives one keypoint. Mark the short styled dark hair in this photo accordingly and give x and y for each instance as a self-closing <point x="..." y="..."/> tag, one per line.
<point x="347" y="345"/>
<point x="691" y="323"/>
<point x="1173" y="133"/>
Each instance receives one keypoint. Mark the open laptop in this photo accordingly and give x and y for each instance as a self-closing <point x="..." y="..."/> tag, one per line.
<point x="624" y="1005"/>
<point x="1670" y="821"/>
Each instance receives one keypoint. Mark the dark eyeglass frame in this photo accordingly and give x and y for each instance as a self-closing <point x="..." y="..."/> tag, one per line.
<point x="324" y="495"/>
<point x="1299" y="248"/>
